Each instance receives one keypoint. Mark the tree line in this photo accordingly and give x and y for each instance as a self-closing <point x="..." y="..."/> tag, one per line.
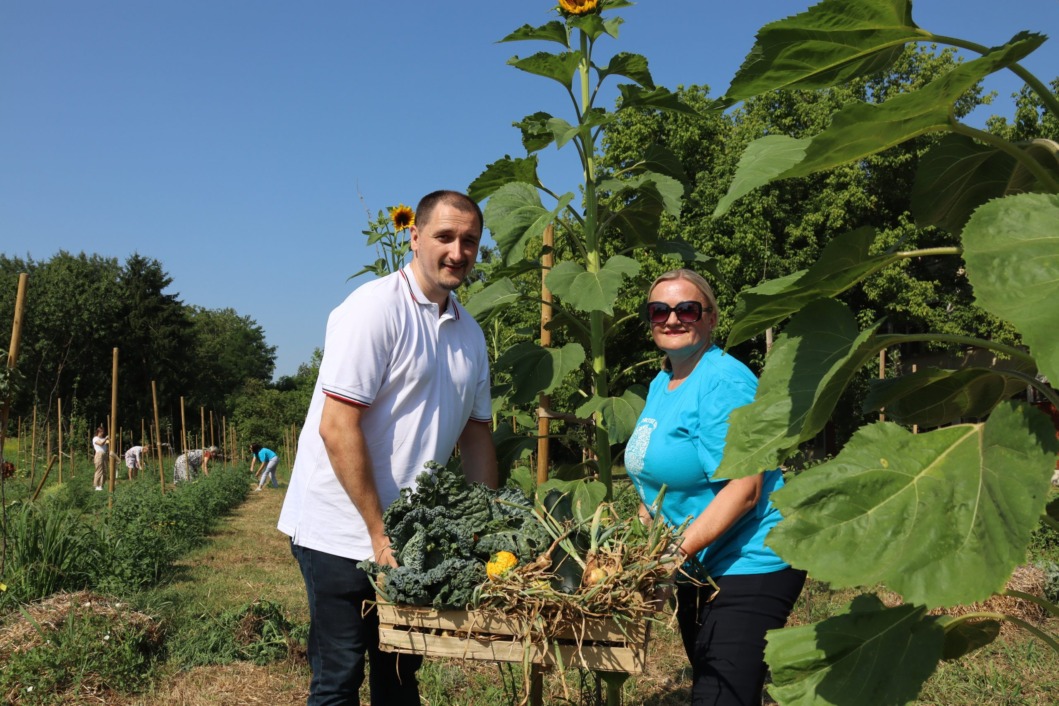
<point x="79" y="307"/>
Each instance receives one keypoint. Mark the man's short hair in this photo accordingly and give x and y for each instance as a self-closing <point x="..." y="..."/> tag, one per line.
<point x="456" y="199"/>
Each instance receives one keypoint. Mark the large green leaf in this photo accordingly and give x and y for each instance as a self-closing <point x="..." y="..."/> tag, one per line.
<point x="932" y="396"/>
<point x="554" y="31"/>
<point x="862" y="129"/>
<point x="514" y="216"/>
<point x="828" y="44"/>
<point x="510" y="447"/>
<point x="1011" y="247"/>
<point x="845" y="261"/>
<point x="558" y="67"/>
<point x="764" y="160"/>
<point x="503" y="171"/>
<point x="805" y="372"/>
<point x="956" y="176"/>
<point x="535" y="369"/>
<point x="639" y="204"/>
<point x="632" y="66"/>
<point x="536" y="135"/>
<point x="619" y="414"/>
<point x="591" y="291"/>
<point x="962" y="638"/>
<point x="869" y="654"/>
<point x="498" y="294"/>
<point x="657" y="98"/>
<point x="943" y="517"/>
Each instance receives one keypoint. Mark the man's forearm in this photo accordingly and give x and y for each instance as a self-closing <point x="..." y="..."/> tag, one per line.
<point x="478" y="454"/>
<point x="347" y="450"/>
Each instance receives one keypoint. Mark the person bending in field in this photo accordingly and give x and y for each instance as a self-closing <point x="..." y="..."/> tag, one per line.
<point x="190" y="463"/>
<point x="269" y="460"/>
<point x="404" y="380"/>
<point x="134" y="459"/>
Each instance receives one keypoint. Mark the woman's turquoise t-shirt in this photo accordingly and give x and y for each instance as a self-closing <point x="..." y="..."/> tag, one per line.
<point x="265" y="455"/>
<point x="678" y="442"/>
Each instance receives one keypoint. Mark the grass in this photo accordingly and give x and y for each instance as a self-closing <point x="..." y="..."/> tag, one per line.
<point x="247" y="562"/>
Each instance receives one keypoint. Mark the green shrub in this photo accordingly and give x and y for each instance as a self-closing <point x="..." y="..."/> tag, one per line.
<point x="94" y="648"/>
<point x="48" y="550"/>
<point x="257" y="632"/>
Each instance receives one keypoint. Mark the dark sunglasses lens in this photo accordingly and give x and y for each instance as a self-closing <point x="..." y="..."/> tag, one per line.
<point x="657" y="312"/>
<point x="688" y="312"/>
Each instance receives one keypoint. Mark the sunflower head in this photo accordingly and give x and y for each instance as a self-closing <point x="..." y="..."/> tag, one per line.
<point x="402" y="217"/>
<point x="578" y="7"/>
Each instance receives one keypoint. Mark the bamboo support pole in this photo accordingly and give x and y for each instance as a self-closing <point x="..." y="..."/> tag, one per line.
<point x="202" y="427"/>
<point x="158" y="436"/>
<point x="113" y="422"/>
<point x="224" y="434"/>
<point x="5" y="408"/>
<point x="211" y="428"/>
<point x="43" y="478"/>
<point x="33" y="447"/>
<point x="183" y="428"/>
<point x="59" y="402"/>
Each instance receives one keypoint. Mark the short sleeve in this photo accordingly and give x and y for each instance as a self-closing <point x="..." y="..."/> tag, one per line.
<point x="358" y="347"/>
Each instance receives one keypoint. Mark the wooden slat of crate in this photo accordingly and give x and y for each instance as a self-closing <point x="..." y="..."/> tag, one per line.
<point x="472" y="635"/>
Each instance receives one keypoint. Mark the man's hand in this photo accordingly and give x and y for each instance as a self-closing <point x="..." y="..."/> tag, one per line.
<point x="384" y="554"/>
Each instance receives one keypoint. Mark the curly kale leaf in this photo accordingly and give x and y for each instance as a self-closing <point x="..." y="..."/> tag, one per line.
<point x="444" y="531"/>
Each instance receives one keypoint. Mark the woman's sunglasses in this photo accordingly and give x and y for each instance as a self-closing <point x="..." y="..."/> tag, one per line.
<point x="687" y="312"/>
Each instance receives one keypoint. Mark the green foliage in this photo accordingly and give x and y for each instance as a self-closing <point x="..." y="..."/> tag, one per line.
<point x="88" y="652"/>
<point x="591" y="268"/>
<point x="257" y="632"/>
<point x="444" y="531"/>
<point x="47" y="551"/>
<point x="79" y="308"/>
<point x="977" y="490"/>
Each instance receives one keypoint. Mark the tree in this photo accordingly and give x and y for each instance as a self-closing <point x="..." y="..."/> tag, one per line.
<point x="227" y="350"/>
<point x="944" y="516"/>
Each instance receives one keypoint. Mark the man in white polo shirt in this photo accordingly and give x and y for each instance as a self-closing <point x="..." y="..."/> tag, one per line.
<point x="404" y="380"/>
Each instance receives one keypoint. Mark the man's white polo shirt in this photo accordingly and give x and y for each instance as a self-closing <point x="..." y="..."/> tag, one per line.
<point x="421" y="377"/>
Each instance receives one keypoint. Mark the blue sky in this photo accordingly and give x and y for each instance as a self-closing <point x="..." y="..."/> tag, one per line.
<point x="245" y="144"/>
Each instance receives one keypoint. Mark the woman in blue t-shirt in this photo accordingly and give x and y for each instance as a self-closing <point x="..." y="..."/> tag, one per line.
<point x="677" y="443"/>
<point x="269" y="460"/>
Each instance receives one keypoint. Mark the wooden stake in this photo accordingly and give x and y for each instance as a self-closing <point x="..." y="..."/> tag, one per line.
<point x="33" y="447"/>
<point x="5" y="408"/>
<point x="202" y="427"/>
<point x="183" y="428"/>
<point x="158" y="436"/>
<point x="113" y="422"/>
<point x="59" y="400"/>
<point x="44" y="478"/>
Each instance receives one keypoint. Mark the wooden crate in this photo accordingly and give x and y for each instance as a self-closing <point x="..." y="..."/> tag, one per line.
<point x="460" y="634"/>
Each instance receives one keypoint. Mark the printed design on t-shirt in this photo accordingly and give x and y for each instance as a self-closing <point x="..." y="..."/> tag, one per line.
<point x="636" y="449"/>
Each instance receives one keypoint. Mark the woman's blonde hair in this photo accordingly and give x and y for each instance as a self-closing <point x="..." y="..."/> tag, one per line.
<point x="691" y="276"/>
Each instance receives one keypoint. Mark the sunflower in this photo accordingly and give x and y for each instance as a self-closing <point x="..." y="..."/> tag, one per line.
<point x="402" y="217"/>
<point x="578" y="7"/>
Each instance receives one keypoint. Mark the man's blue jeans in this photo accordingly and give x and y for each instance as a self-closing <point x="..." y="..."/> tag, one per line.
<point x="340" y="637"/>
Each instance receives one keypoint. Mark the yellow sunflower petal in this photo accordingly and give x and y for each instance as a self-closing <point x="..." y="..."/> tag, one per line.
<point x="402" y="217"/>
<point x="578" y="7"/>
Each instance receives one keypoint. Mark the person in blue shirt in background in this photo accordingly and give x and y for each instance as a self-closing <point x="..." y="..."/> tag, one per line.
<point x="269" y="460"/>
<point x="677" y="443"/>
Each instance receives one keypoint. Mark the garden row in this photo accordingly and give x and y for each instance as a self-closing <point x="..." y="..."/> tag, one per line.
<point x="73" y="539"/>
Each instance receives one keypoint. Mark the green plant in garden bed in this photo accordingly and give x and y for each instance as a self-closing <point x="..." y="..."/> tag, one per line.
<point x="77" y="645"/>
<point x="115" y="549"/>
<point x="257" y="632"/>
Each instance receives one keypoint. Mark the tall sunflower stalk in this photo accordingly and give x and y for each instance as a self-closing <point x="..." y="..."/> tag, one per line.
<point x="389" y="234"/>
<point x="587" y="282"/>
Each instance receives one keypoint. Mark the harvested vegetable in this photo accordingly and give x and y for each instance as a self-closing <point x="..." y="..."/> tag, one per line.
<point x="500" y="564"/>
